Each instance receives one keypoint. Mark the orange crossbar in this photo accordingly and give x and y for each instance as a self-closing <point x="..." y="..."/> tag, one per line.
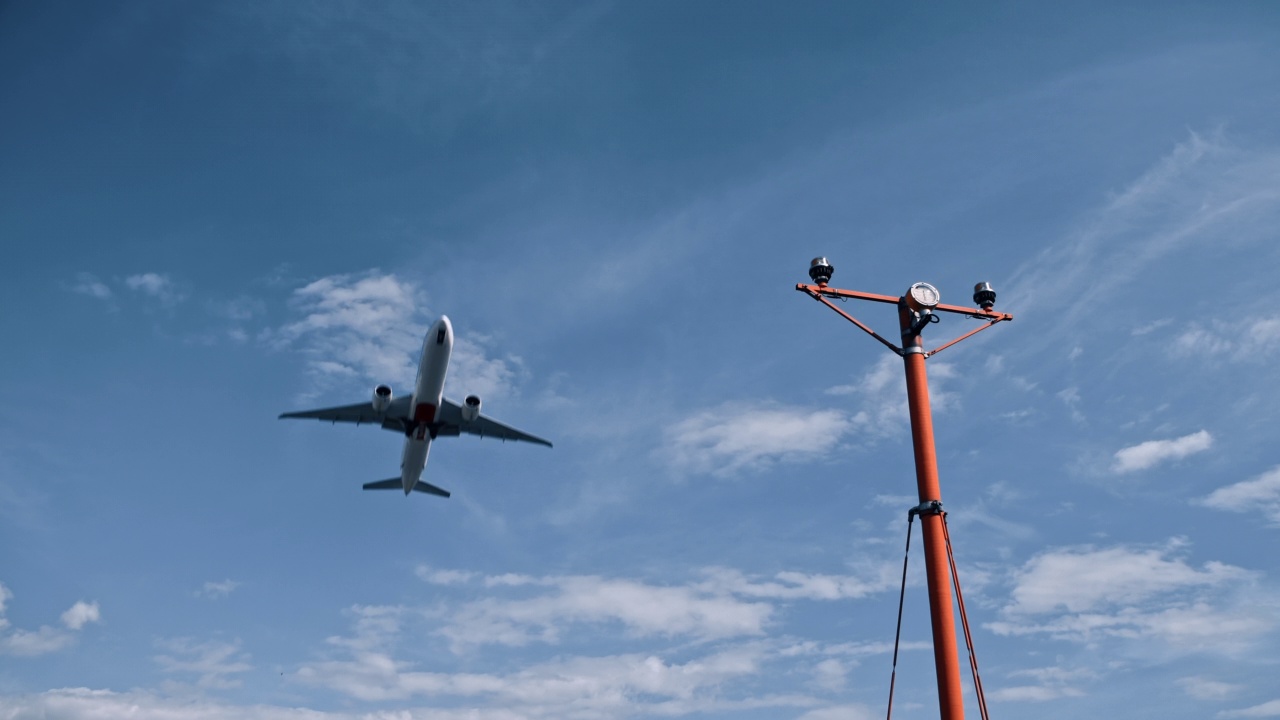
<point x="822" y="292"/>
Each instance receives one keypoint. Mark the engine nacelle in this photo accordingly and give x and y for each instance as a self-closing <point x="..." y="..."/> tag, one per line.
<point x="381" y="398"/>
<point x="470" y="408"/>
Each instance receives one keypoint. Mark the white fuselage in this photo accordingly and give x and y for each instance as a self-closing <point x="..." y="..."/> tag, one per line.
<point x="437" y="346"/>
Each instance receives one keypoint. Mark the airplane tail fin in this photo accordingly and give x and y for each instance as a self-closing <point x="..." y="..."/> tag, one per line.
<point x="396" y="484"/>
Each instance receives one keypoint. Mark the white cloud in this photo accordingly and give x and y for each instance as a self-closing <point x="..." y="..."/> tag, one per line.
<point x="369" y="326"/>
<point x="642" y="609"/>
<point x="443" y="577"/>
<point x="830" y="674"/>
<point x="1153" y="452"/>
<point x="213" y="590"/>
<point x="738" y="436"/>
<point x="88" y="284"/>
<point x="1197" y="341"/>
<point x="239" y="309"/>
<point x="1077" y="580"/>
<point x="1071" y="398"/>
<point x="1087" y="594"/>
<point x="1256" y="341"/>
<point x="841" y="712"/>
<point x="473" y="372"/>
<point x="365" y="325"/>
<point x="1261" y="493"/>
<point x="594" y="686"/>
<point x="1202" y="688"/>
<point x="46" y="639"/>
<point x="213" y="662"/>
<point x="725" y="603"/>
<point x="80" y="614"/>
<point x="35" y="642"/>
<point x="1032" y="693"/>
<point x="789" y="585"/>
<point x="86" y="704"/>
<point x="883" y="392"/>
<point x="155" y="285"/>
<point x="1266" y="709"/>
<point x="1150" y="327"/>
<point x="715" y="675"/>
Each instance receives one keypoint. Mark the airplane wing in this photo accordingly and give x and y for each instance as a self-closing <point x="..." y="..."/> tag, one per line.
<point x="451" y="419"/>
<point x="360" y="413"/>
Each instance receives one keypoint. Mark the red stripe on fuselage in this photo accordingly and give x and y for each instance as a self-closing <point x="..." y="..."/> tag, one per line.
<point x="424" y="413"/>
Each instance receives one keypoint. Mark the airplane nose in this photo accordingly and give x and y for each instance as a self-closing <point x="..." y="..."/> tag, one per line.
<point x="443" y="330"/>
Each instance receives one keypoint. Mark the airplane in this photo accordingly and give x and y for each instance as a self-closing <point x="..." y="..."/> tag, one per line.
<point x="423" y="416"/>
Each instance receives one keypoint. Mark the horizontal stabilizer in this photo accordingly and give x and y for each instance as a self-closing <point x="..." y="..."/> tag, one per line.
<point x="428" y="488"/>
<point x="396" y="484"/>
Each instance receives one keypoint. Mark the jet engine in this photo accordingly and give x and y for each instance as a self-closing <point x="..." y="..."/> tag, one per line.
<point x="381" y="398"/>
<point x="471" y="408"/>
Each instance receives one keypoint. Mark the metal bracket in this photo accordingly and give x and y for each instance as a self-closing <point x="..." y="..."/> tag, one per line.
<point x="929" y="507"/>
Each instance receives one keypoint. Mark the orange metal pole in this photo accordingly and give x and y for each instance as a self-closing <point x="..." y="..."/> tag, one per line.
<point x="946" y="653"/>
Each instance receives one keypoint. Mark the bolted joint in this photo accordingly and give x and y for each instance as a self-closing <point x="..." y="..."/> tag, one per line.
<point x="929" y="507"/>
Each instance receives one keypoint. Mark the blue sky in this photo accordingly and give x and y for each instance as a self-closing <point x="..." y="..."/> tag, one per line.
<point x="210" y="215"/>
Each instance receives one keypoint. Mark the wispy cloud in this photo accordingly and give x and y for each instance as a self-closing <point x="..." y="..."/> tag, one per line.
<point x="1153" y="452"/>
<point x="740" y="436"/>
<point x="639" y="608"/>
<point x="1033" y="693"/>
<point x="369" y="326"/>
<point x="366" y="326"/>
<point x="444" y="577"/>
<point x="1071" y="398"/>
<point x="1202" y="688"/>
<point x="1267" y="709"/>
<point x="88" y="284"/>
<point x="724" y="603"/>
<point x="1256" y="341"/>
<point x="882" y="392"/>
<point x="842" y="712"/>
<point x="594" y="686"/>
<point x="1205" y="192"/>
<point x="85" y="704"/>
<point x="423" y="64"/>
<point x="1049" y="683"/>
<point x="1261" y="493"/>
<point x="214" y="663"/>
<point x="47" y="639"/>
<point x="791" y="585"/>
<point x="155" y="285"/>
<point x="687" y="679"/>
<point x="214" y="590"/>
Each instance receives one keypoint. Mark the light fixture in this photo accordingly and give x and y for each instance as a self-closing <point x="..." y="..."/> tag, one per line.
<point x="984" y="296"/>
<point x="820" y="270"/>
